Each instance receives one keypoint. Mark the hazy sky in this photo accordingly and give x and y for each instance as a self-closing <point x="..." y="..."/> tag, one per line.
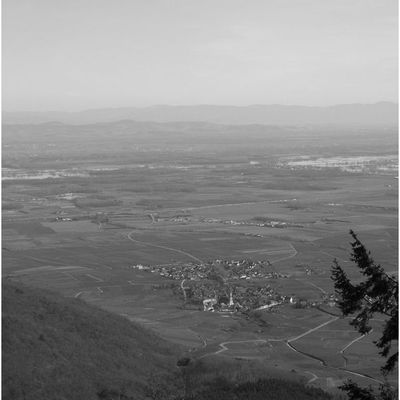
<point x="78" y="54"/>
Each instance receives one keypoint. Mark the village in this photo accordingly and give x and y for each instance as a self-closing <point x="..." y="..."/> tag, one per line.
<point x="257" y="221"/>
<point x="231" y="286"/>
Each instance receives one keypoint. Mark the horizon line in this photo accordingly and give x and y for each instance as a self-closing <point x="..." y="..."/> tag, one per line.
<point x="201" y="105"/>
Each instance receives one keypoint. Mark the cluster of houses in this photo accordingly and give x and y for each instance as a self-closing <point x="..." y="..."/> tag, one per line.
<point x="245" y="299"/>
<point x="364" y="164"/>
<point x="268" y="224"/>
<point x="260" y="222"/>
<point x="248" y="269"/>
<point x="232" y="270"/>
<point x="223" y="286"/>
<point x="63" y="219"/>
<point x="251" y="297"/>
<point x="180" y="218"/>
<point x="229" y="297"/>
<point x="178" y="271"/>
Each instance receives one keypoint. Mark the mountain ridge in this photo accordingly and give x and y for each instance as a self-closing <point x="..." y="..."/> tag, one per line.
<point x="382" y="113"/>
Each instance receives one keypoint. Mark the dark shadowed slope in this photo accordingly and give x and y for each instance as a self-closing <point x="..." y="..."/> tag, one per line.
<point x="58" y="348"/>
<point x="262" y="389"/>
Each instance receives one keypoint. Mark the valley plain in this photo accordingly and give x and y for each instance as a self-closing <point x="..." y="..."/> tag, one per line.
<point x="90" y="211"/>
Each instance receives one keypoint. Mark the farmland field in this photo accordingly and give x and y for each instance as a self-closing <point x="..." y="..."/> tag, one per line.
<point x="77" y="215"/>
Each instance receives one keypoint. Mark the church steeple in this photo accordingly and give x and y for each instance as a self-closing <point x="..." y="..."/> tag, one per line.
<point x="230" y="299"/>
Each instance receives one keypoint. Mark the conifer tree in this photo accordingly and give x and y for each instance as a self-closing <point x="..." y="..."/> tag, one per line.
<point x="377" y="293"/>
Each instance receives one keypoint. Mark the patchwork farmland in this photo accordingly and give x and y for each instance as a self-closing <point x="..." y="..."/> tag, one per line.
<point x="98" y="234"/>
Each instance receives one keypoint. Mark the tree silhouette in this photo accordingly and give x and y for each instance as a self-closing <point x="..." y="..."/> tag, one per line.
<point x="376" y="294"/>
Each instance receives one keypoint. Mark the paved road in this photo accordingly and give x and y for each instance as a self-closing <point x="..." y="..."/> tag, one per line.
<point x="164" y="248"/>
<point x="96" y="278"/>
<point x="314" y="377"/>
<point x="348" y="345"/>
<point x="323" y="362"/>
<point x="45" y="268"/>
<point x="224" y="344"/>
<point x="223" y="348"/>
<point x="312" y="330"/>
<point x="312" y="284"/>
<point x="352" y="342"/>
<point x="287" y="257"/>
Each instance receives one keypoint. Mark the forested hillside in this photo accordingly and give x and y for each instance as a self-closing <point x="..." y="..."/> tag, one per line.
<point x="59" y="348"/>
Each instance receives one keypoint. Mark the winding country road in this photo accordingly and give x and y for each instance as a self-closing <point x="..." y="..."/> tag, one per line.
<point x="314" y="377"/>
<point x="312" y="330"/>
<point x="323" y="362"/>
<point x="224" y="348"/>
<point x="312" y="284"/>
<point x="164" y="248"/>
<point x="223" y="345"/>
<point x="349" y="344"/>
<point x="294" y="254"/>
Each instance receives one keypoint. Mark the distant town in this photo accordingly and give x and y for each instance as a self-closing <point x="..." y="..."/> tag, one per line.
<point x="231" y="286"/>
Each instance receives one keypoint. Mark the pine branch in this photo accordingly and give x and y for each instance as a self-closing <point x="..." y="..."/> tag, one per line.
<point x="378" y="293"/>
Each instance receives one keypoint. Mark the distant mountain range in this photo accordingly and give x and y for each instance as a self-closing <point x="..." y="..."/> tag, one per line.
<point x="383" y="113"/>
